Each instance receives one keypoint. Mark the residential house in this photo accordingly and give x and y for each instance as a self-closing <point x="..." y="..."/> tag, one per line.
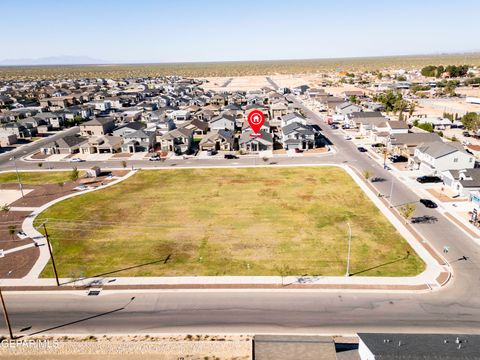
<point x="14" y="128"/>
<point x="390" y="346"/>
<point x="102" y="144"/>
<point x="397" y="127"/>
<point x="66" y="145"/>
<point x="177" y="140"/>
<point x="278" y="109"/>
<point x="405" y="144"/>
<point x="128" y="128"/>
<point x="97" y="127"/>
<point x="292" y="118"/>
<point x="8" y="140"/>
<point x="439" y="156"/>
<point x="218" y="140"/>
<point x="347" y="108"/>
<point x="138" y="141"/>
<point x="462" y="182"/>
<point x="354" y="119"/>
<point x="198" y="127"/>
<point x="298" y="136"/>
<point x="249" y="144"/>
<point x="223" y="122"/>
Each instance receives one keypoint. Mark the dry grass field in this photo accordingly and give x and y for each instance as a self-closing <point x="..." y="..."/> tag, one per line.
<point x="223" y="69"/>
<point x="250" y="221"/>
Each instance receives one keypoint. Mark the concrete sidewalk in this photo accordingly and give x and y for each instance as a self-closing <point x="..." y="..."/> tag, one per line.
<point x="40" y="240"/>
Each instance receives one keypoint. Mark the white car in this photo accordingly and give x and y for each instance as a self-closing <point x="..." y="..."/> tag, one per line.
<point x="76" y="160"/>
<point x="81" y="187"/>
<point x="348" y="137"/>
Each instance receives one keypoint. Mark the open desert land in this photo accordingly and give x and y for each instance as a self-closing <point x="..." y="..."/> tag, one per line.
<point x="240" y="68"/>
<point x="253" y="221"/>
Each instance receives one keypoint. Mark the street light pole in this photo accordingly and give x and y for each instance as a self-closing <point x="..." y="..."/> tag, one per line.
<point x="348" y="253"/>
<point x="18" y="176"/>
<point x="5" y="314"/>
<point x="51" y="254"/>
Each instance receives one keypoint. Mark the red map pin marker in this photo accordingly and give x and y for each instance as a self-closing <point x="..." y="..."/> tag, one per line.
<point x="256" y="120"/>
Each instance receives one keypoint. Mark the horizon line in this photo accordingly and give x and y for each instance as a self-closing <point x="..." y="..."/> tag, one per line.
<point x="108" y="63"/>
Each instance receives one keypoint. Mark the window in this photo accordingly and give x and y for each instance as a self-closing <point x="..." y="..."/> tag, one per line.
<point x="455" y="160"/>
<point x="470" y="160"/>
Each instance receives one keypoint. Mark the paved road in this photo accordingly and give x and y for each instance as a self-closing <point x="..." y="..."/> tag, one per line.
<point x="34" y="146"/>
<point x="456" y="308"/>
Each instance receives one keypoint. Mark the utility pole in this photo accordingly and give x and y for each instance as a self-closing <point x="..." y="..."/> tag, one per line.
<point x="348" y="253"/>
<point x="5" y="314"/>
<point x="18" y="176"/>
<point x="51" y="254"/>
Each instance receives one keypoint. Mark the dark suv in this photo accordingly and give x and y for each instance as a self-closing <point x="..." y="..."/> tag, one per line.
<point x="429" y="179"/>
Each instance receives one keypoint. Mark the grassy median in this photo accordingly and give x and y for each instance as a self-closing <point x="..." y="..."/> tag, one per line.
<point x="250" y="221"/>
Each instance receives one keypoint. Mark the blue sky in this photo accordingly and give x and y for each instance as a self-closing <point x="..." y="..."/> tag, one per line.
<point x="210" y="30"/>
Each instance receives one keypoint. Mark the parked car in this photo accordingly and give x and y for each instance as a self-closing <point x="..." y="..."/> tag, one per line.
<point x="428" y="179"/>
<point x="154" y="158"/>
<point x="298" y="151"/>
<point x="230" y="156"/>
<point x="212" y="152"/>
<point x="81" y="187"/>
<point x="398" y="158"/>
<point x="428" y="203"/>
<point x="76" y="160"/>
<point x="361" y="149"/>
<point x="345" y="127"/>
<point x="334" y="127"/>
<point x="347" y="137"/>
<point x="466" y="134"/>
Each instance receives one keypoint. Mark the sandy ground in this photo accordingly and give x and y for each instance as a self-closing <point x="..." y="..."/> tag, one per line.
<point x="468" y="91"/>
<point x="436" y="107"/>
<point x="131" y="347"/>
<point x="244" y="83"/>
<point x="9" y="196"/>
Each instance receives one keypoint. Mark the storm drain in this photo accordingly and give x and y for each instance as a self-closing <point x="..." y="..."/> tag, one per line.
<point x="94" y="292"/>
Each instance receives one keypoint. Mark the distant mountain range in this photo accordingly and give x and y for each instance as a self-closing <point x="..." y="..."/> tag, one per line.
<point x="54" y="60"/>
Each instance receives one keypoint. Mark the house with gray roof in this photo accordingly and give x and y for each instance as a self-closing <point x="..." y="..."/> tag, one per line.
<point x="291" y="118"/>
<point x="138" y="141"/>
<point x="462" y="182"/>
<point x="67" y="145"/>
<point x="383" y="346"/>
<point x="249" y="144"/>
<point x="223" y="121"/>
<point x="218" y="140"/>
<point x="177" y="140"/>
<point x="298" y="136"/>
<point x="436" y="157"/>
<point x="405" y="144"/>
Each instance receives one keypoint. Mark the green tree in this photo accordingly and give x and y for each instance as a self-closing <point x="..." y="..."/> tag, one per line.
<point x="11" y="231"/>
<point x="471" y="121"/>
<point x="390" y="100"/>
<point x="74" y="174"/>
<point x="407" y="210"/>
<point x="367" y="174"/>
<point x="411" y="108"/>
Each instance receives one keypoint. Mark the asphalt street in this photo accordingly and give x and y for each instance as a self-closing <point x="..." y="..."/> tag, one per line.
<point x="454" y="308"/>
